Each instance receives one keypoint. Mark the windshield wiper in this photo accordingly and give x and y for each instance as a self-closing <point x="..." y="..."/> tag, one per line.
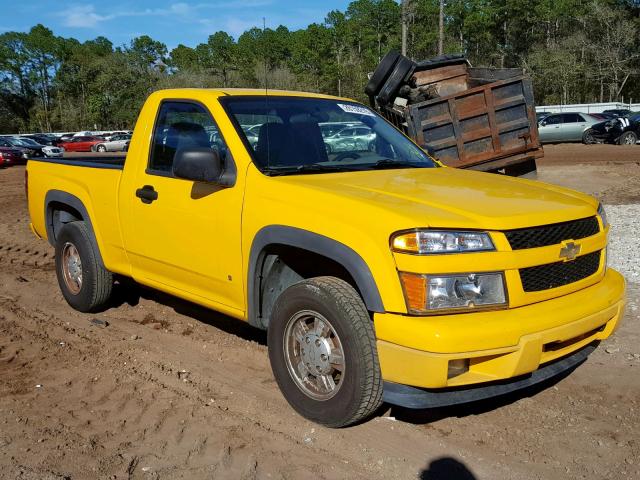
<point x="317" y="167"/>
<point x="388" y="163"/>
<point x="306" y="168"/>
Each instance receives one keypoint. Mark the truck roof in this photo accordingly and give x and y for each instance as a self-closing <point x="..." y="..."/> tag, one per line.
<point x="244" y="92"/>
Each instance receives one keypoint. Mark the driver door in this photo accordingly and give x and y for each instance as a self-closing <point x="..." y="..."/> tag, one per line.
<point x="549" y="128"/>
<point x="186" y="234"/>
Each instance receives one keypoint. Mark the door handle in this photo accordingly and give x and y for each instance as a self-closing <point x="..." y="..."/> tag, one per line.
<point x="147" y="194"/>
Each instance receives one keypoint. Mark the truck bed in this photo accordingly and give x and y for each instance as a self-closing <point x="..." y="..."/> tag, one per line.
<point x="111" y="162"/>
<point x="95" y="187"/>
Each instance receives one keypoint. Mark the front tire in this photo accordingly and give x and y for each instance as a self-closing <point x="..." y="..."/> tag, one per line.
<point x="588" y="137"/>
<point x="101" y="148"/>
<point x="85" y="284"/>
<point x="323" y="352"/>
<point x="628" y="138"/>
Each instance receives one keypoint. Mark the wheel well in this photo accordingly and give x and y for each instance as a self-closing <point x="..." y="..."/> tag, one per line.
<point x="280" y="266"/>
<point x="58" y="214"/>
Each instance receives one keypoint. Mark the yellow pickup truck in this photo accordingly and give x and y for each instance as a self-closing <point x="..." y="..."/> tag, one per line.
<point x="379" y="274"/>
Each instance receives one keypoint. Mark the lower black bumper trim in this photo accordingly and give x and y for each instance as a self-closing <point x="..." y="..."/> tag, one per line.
<point x="415" y="397"/>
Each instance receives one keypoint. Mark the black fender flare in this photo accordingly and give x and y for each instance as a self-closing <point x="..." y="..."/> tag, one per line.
<point x="313" y="242"/>
<point x="64" y="198"/>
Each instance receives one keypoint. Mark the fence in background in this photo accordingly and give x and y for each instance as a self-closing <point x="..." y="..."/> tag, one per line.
<point x="588" y="107"/>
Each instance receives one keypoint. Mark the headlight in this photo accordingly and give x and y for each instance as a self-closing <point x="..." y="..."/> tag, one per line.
<point x="424" y="242"/>
<point x="432" y="294"/>
<point x="603" y="216"/>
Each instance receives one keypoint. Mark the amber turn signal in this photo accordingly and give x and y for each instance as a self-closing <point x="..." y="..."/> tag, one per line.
<point x="415" y="291"/>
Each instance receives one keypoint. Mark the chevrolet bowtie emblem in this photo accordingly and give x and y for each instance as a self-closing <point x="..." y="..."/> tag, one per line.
<point x="570" y="251"/>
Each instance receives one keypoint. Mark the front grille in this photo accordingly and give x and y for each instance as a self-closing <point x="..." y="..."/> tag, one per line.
<point x="552" y="275"/>
<point x="552" y="234"/>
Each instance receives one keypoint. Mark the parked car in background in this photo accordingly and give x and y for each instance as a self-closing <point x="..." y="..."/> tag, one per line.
<point x="81" y="143"/>
<point x="618" y="112"/>
<point x="118" y="143"/>
<point x="350" y="139"/>
<point x="109" y="135"/>
<point x="47" y="150"/>
<point x="331" y="128"/>
<point x="27" y="149"/>
<point x="43" y="139"/>
<point x="620" y="130"/>
<point x="10" y="156"/>
<point x="565" y="127"/>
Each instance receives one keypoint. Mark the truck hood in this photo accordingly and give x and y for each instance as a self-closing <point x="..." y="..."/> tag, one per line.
<point x="452" y="198"/>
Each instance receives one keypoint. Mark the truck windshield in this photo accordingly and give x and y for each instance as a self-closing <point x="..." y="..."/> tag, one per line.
<point x="294" y="135"/>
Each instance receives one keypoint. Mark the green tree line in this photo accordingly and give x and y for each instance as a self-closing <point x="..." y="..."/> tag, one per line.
<point x="575" y="51"/>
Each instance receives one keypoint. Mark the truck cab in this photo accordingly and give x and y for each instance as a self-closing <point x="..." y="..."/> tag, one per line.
<point x="378" y="273"/>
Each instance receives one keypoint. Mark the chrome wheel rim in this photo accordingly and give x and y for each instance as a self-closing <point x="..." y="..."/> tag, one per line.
<point x="314" y="355"/>
<point x="628" y="140"/>
<point x="72" y="268"/>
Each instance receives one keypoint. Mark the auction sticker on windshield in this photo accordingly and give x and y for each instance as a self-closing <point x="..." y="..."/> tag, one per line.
<point x="356" y="109"/>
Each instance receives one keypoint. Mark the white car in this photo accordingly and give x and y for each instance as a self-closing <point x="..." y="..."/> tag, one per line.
<point x="118" y="143"/>
<point x="52" y="152"/>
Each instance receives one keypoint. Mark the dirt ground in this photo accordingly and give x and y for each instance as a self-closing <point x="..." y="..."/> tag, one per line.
<point x="158" y="388"/>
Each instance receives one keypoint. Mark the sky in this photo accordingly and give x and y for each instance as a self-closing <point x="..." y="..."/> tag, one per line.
<point x="170" y="21"/>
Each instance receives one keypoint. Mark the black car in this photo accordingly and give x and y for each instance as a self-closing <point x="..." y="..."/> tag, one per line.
<point x="620" y="130"/>
<point x="43" y="139"/>
<point x="618" y="112"/>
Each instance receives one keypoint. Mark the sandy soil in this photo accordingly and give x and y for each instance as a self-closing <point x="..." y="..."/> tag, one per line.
<point x="158" y="388"/>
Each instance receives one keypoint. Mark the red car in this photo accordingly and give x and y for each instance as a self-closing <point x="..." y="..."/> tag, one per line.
<point x="81" y="144"/>
<point x="10" y="156"/>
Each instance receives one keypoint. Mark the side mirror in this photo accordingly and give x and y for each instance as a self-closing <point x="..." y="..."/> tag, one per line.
<point x="543" y="123"/>
<point x="202" y="165"/>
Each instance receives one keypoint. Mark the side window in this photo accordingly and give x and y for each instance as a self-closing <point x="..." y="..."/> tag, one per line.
<point x="552" y="120"/>
<point x="182" y="125"/>
<point x="571" y="118"/>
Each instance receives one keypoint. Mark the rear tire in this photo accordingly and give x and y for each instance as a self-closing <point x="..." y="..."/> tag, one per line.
<point x="101" y="148"/>
<point x="628" y="138"/>
<point x="323" y="354"/>
<point x="85" y="284"/>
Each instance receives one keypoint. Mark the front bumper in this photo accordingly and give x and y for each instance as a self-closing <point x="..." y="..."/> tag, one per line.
<point x="413" y="397"/>
<point x="499" y="345"/>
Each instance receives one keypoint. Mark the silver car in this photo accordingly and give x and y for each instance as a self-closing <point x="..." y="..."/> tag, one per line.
<point x="118" y="143"/>
<point x="565" y="127"/>
<point x="350" y="139"/>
